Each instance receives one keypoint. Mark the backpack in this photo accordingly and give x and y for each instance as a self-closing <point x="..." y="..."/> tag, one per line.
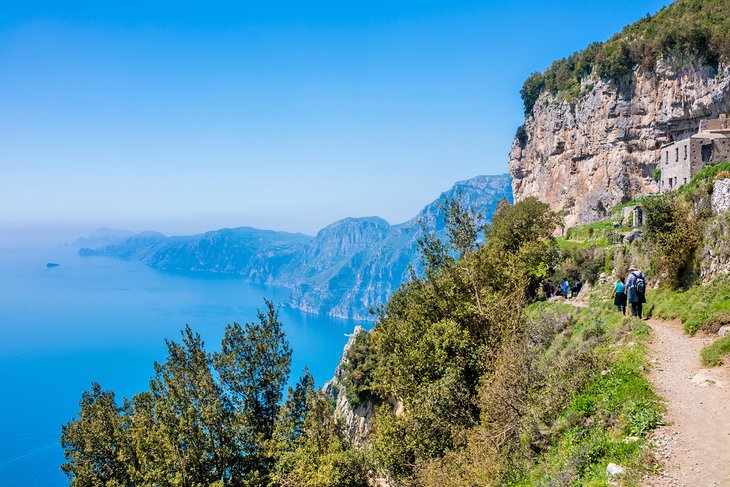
<point x="640" y="284"/>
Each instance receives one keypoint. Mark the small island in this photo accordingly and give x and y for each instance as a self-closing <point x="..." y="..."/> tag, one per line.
<point x="52" y="264"/>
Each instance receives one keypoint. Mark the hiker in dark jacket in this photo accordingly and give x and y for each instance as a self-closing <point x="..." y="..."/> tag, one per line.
<point x="548" y="289"/>
<point x="636" y="285"/>
<point x="575" y="290"/>
<point x="619" y="295"/>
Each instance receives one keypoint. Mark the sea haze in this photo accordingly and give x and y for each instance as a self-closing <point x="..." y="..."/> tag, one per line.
<point x="105" y="320"/>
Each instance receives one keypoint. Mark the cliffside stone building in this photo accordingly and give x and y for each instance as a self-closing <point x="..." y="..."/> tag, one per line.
<point x="685" y="156"/>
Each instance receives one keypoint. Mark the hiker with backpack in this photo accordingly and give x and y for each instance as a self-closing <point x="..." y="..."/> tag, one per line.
<point x="636" y="284"/>
<point x="566" y="288"/>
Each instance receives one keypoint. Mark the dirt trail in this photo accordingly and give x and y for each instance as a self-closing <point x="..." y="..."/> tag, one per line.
<point x="695" y="445"/>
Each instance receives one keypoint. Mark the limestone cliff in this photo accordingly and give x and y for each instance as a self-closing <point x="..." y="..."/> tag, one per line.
<point x="356" y="421"/>
<point x="585" y="155"/>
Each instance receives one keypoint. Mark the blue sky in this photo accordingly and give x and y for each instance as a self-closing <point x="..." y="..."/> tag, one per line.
<point x="186" y="116"/>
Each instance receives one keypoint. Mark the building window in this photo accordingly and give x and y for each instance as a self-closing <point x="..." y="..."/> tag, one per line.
<point x="685" y="152"/>
<point x="676" y="154"/>
<point x="706" y="153"/>
<point x="685" y="180"/>
<point x="667" y="157"/>
<point x="670" y="183"/>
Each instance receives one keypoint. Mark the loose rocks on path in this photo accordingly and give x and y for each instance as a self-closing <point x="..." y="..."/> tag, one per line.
<point x="694" y="447"/>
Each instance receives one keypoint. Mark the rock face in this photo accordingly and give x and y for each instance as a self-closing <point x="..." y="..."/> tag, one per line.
<point x="584" y="157"/>
<point x="721" y="196"/>
<point x="633" y="235"/>
<point x="715" y="252"/>
<point x="357" y="263"/>
<point x="356" y="422"/>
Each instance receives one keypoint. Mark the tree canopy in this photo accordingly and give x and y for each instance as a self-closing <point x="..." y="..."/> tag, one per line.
<point x="700" y="28"/>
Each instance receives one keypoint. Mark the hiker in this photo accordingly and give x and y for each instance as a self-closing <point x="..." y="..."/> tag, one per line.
<point x="566" y="288"/>
<point x="575" y="290"/>
<point x="636" y="284"/>
<point x="548" y="288"/>
<point x="619" y="295"/>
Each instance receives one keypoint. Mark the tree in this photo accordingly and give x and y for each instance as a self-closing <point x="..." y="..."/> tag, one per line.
<point x="213" y="420"/>
<point x="532" y="88"/>
<point x="254" y="365"/>
<point x="433" y="253"/>
<point x="675" y="234"/>
<point x="292" y="415"/>
<point x="95" y="446"/>
<point x="322" y="457"/>
<point x="520" y="251"/>
<point x="191" y="416"/>
<point x="530" y="220"/>
<point x="463" y="225"/>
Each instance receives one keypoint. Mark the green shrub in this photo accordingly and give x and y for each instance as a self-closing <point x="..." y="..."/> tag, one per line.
<point x="532" y="88"/>
<point x="713" y="353"/>
<point x="657" y="174"/>
<point x="675" y="234"/>
<point x="698" y="307"/>
<point x="359" y="368"/>
<point x="568" y="418"/>
<point x="642" y="417"/>
<point x="706" y="174"/>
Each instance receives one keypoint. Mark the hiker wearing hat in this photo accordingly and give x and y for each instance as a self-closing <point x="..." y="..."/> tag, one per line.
<point x="636" y="285"/>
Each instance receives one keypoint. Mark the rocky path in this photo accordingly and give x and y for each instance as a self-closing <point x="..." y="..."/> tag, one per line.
<point x="694" y="446"/>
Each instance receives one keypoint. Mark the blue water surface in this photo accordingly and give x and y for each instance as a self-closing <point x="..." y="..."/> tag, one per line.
<point x="105" y="320"/>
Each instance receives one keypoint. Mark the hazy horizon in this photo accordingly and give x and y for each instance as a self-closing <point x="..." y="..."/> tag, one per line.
<point x="182" y="118"/>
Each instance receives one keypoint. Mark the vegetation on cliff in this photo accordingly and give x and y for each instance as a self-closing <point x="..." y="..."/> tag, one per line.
<point x="213" y="419"/>
<point x="554" y="393"/>
<point x="474" y="381"/>
<point x="700" y="28"/>
<point x="469" y="385"/>
<point x="563" y="400"/>
<point x="475" y="389"/>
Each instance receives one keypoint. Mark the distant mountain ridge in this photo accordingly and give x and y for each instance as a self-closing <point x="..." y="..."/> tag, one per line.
<point x="257" y="255"/>
<point x="349" y="266"/>
<point x="102" y="237"/>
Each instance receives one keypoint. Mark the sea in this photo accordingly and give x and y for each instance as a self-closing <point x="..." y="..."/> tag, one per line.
<point x="100" y="319"/>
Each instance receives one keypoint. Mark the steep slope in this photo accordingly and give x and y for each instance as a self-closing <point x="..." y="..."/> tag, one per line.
<point x="596" y="120"/>
<point x="355" y="264"/>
